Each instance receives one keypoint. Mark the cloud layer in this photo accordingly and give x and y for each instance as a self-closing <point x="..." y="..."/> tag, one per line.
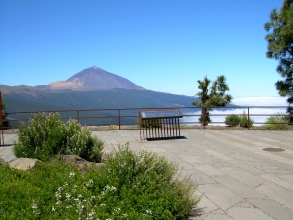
<point x="217" y="115"/>
<point x="260" y="101"/>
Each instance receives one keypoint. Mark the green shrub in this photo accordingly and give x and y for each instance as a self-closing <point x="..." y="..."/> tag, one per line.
<point x="154" y="183"/>
<point x="47" y="135"/>
<point x="132" y="185"/>
<point x="244" y="123"/>
<point x="233" y="120"/>
<point x="278" y="118"/>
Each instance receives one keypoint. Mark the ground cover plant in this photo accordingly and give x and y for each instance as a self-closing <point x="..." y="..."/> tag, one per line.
<point x="131" y="185"/>
<point x="47" y="136"/>
<point x="278" y="118"/>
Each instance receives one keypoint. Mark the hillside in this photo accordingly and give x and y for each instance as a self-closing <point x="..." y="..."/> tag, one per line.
<point x="24" y="98"/>
<point x="32" y="99"/>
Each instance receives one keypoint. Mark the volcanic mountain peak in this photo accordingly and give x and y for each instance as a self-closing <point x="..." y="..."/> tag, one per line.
<point x="94" y="78"/>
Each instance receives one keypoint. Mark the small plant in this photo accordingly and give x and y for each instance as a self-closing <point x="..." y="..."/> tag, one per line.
<point x="47" y="135"/>
<point x="233" y="120"/>
<point x="245" y="123"/>
<point x="278" y="118"/>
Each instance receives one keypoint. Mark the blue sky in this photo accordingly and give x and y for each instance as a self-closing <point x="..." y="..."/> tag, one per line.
<point x="161" y="45"/>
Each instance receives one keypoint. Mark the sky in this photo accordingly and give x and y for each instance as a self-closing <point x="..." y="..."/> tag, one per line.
<point x="161" y="45"/>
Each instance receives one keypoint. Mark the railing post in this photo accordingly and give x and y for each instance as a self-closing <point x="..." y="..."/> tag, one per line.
<point x="2" y="138"/>
<point x="203" y="117"/>
<point x="248" y="118"/>
<point x="77" y="115"/>
<point x="119" y="118"/>
<point x="1" y="122"/>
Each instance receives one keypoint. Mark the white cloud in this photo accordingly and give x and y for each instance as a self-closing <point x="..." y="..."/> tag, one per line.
<point x="260" y="101"/>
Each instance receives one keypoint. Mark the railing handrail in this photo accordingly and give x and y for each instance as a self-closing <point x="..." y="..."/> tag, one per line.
<point x="119" y="116"/>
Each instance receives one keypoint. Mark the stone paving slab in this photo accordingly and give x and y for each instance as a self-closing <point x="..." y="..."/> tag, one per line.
<point x="273" y="191"/>
<point x="248" y="213"/>
<point x="243" y="176"/>
<point x="220" y="195"/>
<point x="278" y="181"/>
<point x="288" y="177"/>
<point x="273" y="209"/>
<point x="238" y="188"/>
<point x="239" y="180"/>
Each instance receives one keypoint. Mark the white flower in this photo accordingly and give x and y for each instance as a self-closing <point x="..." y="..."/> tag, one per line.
<point x="91" y="214"/>
<point x="117" y="210"/>
<point x="148" y="212"/>
<point x="34" y="206"/>
<point x="71" y="174"/>
<point x="53" y="209"/>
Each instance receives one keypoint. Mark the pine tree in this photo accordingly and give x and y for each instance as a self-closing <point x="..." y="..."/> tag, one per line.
<point x="216" y="96"/>
<point x="280" y="47"/>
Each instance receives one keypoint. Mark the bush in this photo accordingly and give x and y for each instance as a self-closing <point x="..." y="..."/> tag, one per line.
<point x="233" y="120"/>
<point x="132" y="185"/>
<point x="47" y="135"/>
<point x="154" y="183"/>
<point x="278" y="118"/>
<point x="244" y="123"/>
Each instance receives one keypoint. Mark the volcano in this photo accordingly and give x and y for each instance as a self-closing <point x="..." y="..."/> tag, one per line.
<point x="94" y="78"/>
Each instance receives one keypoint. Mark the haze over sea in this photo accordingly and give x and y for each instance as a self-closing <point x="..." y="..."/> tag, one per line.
<point x="252" y="103"/>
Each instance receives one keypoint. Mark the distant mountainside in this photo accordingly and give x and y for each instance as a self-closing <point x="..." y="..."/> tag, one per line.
<point x="92" y="79"/>
<point x="27" y="98"/>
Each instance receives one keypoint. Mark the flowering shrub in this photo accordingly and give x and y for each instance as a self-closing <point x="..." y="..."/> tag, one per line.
<point x="47" y="135"/>
<point x="132" y="185"/>
<point x="156" y="187"/>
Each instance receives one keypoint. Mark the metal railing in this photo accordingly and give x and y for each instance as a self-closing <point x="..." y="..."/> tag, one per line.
<point x="122" y="117"/>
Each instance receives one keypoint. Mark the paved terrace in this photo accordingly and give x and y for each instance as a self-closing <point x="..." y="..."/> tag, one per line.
<point x="239" y="179"/>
